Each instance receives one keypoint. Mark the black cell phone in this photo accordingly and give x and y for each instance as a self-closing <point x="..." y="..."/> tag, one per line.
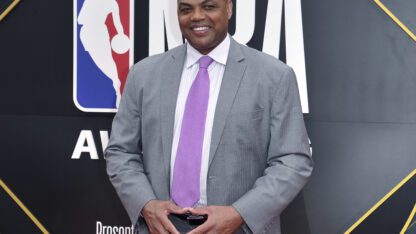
<point x="197" y="219"/>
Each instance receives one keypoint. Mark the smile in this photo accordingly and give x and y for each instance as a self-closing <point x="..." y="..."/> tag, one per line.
<point x="200" y="28"/>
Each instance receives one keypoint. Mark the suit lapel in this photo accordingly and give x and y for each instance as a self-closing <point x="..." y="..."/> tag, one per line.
<point x="233" y="75"/>
<point x="172" y="72"/>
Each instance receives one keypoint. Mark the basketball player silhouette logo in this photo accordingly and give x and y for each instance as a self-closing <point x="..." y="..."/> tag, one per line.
<point x="105" y="44"/>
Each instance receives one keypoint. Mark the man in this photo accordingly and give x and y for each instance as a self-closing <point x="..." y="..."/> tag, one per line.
<point x="209" y="130"/>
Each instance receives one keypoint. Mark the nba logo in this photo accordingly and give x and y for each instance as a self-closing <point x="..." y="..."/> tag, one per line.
<point x="103" y="52"/>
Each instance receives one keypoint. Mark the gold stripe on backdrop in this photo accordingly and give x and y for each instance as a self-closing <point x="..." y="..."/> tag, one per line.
<point x="395" y="19"/>
<point x="379" y="203"/>
<point x="23" y="207"/>
<point x="406" y="225"/>
<point x="8" y="9"/>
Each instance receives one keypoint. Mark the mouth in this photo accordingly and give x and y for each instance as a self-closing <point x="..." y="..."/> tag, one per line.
<point x="200" y="30"/>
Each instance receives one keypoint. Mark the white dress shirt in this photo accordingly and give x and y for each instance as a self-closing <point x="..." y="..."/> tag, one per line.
<point x="216" y="73"/>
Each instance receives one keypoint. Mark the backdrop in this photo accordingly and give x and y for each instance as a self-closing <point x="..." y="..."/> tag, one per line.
<point x="356" y="66"/>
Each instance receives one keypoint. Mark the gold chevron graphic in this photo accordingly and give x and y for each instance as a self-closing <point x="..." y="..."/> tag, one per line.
<point x="411" y="225"/>
<point x="23" y="207"/>
<point x="8" y="9"/>
<point x="395" y="19"/>
<point x="406" y="225"/>
<point x="379" y="203"/>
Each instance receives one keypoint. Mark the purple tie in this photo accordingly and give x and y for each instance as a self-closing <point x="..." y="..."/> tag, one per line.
<point x="185" y="182"/>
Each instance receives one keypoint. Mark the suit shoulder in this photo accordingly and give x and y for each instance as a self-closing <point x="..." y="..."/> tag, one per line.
<point x="153" y="62"/>
<point x="269" y="68"/>
<point x="266" y="61"/>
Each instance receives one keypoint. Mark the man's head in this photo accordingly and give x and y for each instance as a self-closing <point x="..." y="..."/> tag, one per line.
<point x="204" y="23"/>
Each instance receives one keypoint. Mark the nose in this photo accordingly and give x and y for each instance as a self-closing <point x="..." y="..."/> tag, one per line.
<point x="198" y="15"/>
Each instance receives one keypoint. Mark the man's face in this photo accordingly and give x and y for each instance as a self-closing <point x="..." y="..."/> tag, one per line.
<point x="204" y="23"/>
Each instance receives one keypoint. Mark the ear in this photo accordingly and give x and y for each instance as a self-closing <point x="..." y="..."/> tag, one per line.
<point x="229" y="8"/>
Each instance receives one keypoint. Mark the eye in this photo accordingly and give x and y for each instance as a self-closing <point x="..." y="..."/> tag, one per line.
<point x="209" y="7"/>
<point x="185" y="10"/>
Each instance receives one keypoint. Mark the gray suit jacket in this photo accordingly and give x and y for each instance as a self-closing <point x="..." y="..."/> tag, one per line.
<point x="259" y="157"/>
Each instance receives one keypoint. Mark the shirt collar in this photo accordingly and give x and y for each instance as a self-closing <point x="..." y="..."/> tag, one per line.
<point x="219" y="54"/>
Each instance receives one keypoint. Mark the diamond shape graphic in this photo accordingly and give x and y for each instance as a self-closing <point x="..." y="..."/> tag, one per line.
<point x="398" y="202"/>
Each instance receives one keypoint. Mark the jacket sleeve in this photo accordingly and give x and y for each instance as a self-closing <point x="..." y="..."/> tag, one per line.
<point x="124" y="151"/>
<point x="289" y="162"/>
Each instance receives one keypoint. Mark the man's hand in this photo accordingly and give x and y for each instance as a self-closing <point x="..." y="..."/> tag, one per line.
<point x="221" y="219"/>
<point x="156" y="212"/>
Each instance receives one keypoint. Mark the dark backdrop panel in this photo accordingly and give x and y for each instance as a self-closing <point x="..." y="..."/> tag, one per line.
<point x="360" y="64"/>
<point x="356" y="164"/>
<point x="67" y="196"/>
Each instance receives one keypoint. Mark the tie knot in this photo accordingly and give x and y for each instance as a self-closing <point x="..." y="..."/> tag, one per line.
<point x="205" y="61"/>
